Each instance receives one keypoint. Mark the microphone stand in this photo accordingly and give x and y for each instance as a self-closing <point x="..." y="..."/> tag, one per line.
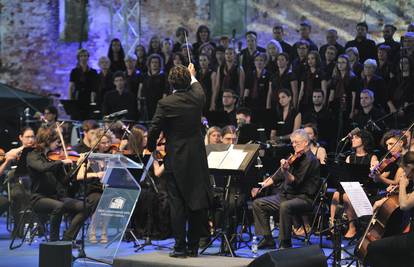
<point x="84" y="162"/>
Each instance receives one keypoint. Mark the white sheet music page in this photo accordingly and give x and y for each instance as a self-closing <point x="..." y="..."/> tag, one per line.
<point x="358" y="198"/>
<point x="233" y="160"/>
<point x="215" y="158"/>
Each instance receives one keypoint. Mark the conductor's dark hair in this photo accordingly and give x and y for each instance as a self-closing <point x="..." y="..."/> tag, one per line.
<point x="179" y="78"/>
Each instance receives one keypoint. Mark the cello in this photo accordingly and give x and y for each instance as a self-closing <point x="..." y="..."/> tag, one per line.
<point x="386" y="221"/>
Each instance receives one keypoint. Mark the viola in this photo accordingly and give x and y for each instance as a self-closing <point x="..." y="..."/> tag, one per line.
<point x="60" y="155"/>
<point x="384" y="164"/>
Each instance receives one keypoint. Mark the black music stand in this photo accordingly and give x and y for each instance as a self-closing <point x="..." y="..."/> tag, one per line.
<point x="344" y="172"/>
<point x="252" y="151"/>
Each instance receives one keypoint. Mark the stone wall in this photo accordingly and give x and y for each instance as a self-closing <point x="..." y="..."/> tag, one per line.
<point x="33" y="56"/>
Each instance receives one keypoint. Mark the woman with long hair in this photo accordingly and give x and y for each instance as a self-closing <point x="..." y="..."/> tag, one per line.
<point x="283" y="79"/>
<point x="344" y="87"/>
<point x="362" y="155"/>
<point x="141" y="55"/>
<point x="286" y="118"/>
<point x="313" y="78"/>
<point x="213" y="136"/>
<point x="206" y="76"/>
<point x="117" y="55"/>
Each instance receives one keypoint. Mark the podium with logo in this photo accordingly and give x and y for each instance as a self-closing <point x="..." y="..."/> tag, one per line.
<point x="120" y="195"/>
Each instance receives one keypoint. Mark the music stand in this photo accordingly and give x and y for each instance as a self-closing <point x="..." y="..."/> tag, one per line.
<point x="249" y="153"/>
<point x="341" y="172"/>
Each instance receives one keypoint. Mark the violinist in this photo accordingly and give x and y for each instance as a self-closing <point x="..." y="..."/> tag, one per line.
<point x="94" y="186"/>
<point x="49" y="186"/>
<point x="384" y="172"/>
<point x="362" y="155"/>
<point x="151" y="216"/>
<point x="397" y="250"/>
<point x="300" y="181"/>
<point x="19" y="186"/>
<point x="89" y="128"/>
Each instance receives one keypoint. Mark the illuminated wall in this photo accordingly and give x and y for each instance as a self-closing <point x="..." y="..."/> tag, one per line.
<point x="35" y="57"/>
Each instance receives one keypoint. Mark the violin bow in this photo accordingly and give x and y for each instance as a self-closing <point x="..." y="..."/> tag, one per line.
<point x="59" y="131"/>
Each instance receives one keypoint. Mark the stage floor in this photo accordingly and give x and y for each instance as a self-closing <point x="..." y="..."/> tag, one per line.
<point x="27" y="256"/>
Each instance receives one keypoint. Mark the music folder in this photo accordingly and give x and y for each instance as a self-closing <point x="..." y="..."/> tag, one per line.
<point x="231" y="159"/>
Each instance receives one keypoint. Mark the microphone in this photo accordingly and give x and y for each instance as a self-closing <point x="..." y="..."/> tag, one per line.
<point x="115" y="114"/>
<point x="351" y="133"/>
<point x="263" y="145"/>
<point x="204" y="121"/>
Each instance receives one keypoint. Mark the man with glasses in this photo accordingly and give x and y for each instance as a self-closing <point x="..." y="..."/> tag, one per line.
<point x="299" y="182"/>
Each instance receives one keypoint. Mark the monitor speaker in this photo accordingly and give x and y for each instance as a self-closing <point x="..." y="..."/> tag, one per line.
<point x="53" y="254"/>
<point x="310" y="256"/>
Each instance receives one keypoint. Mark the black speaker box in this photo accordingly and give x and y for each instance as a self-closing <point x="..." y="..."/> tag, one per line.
<point x="53" y="254"/>
<point x="311" y="256"/>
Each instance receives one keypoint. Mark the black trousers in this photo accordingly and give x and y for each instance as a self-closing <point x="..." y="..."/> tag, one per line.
<point x="392" y="251"/>
<point x="181" y="215"/>
<point x="287" y="207"/>
<point x="4" y="204"/>
<point x="56" y="208"/>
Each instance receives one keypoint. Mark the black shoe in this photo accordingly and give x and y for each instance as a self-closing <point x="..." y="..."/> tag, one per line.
<point x="266" y="243"/>
<point x="178" y="254"/>
<point x="193" y="253"/>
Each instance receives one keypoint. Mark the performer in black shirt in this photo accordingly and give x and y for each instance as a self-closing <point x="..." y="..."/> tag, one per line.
<point x="120" y="99"/>
<point x="388" y="35"/>
<point x="278" y="34"/>
<point x="83" y="82"/>
<point x="331" y="39"/>
<point x="299" y="180"/>
<point x="189" y="190"/>
<point x="396" y="250"/>
<point x="49" y="186"/>
<point x="366" y="47"/>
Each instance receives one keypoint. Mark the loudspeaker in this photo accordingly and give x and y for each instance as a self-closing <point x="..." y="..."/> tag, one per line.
<point x="310" y="256"/>
<point x="53" y="254"/>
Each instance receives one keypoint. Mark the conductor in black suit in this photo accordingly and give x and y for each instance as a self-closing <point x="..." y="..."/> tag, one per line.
<point x="178" y="116"/>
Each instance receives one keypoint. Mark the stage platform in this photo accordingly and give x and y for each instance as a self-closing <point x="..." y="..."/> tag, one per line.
<point x="161" y="259"/>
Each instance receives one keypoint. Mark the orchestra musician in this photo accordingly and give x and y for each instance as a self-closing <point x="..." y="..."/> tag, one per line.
<point x="396" y="250"/>
<point x="19" y="185"/>
<point x="94" y="186"/>
<point x="361" y="144"/>
<point x="299" y="182"/>
<point x="50" y="185"/>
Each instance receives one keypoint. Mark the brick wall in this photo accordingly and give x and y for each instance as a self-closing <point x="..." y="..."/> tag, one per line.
<point x="34" y="58"/>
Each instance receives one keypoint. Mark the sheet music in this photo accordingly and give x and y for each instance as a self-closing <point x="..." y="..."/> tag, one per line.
<point x="215" y="158"/>
<point x="358" y="198"/>
<point x="233" y="160"/>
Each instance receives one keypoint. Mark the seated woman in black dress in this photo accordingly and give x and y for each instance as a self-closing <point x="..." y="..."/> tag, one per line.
<point x="361" y="144"/>
<point x="286" y="118"/>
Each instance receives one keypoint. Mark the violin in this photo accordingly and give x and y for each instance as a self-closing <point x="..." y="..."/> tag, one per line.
<point x="60" y="155"/>
<point x="292" y="158"/>
<point x="383" y="165"/>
